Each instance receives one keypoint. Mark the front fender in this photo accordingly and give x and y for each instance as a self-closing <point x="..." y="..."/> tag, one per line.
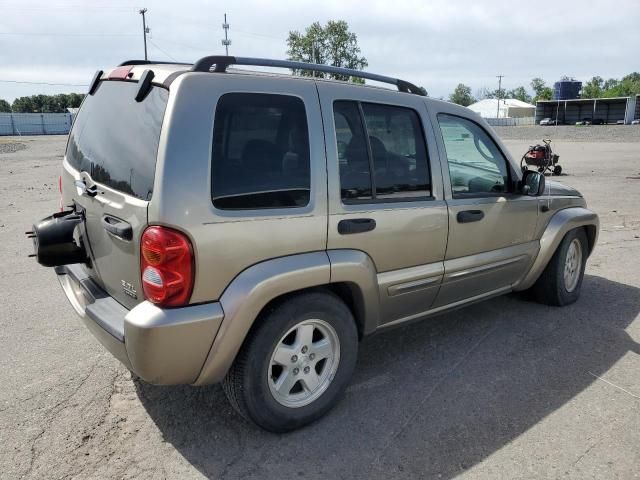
<point x="561" y="222"/>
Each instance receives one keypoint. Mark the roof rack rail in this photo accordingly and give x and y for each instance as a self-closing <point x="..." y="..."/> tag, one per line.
<point x="219" y="63"/>
<point x="148" y="62"/>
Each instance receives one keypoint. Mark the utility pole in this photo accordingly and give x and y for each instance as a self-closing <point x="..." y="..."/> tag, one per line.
<point x="144" y="30"/>
<point x="227" y="41"/>
<point x="499" y="91"/>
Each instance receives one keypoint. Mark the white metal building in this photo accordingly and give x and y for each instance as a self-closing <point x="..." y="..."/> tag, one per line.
<point x="509" y="108"/>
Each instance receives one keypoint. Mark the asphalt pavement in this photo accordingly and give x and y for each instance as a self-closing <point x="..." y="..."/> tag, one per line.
<point x="503" y="389"/>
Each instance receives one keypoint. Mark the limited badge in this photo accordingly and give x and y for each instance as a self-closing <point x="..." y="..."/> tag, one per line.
<point x="128" y="289"/>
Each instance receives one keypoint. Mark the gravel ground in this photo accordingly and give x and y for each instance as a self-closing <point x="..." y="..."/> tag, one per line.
<point x="571" y="133"/>
<point x="503" y="389"/>
<point x="10" y="147"/>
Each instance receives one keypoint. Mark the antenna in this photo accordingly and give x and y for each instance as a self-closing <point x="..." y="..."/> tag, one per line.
<point x="226" y="41"/>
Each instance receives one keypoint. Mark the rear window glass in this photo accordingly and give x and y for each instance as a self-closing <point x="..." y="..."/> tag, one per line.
<point x="115" y="139"/>
<point x="260" y="152"/>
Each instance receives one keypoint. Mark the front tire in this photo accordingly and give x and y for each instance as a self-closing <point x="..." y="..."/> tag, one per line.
<point x="561" y="280"/>
<point x="295" y="363"/>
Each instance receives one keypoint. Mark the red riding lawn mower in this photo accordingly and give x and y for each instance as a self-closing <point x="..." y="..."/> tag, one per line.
<point x="542" y="158"/>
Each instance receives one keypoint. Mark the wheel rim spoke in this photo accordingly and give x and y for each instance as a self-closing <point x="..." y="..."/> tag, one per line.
<point x="300" y="370"/>
<point x="283" y="354"/>
<point x="310" y="381"/>
<point x="304" y="335"/>
<point x="285" y="382"/>
<point x="322" y="349"/>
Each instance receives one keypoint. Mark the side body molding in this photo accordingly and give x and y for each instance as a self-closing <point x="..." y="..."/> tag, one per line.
<point x="248" y="294"/>
<point x="561" y="222"/>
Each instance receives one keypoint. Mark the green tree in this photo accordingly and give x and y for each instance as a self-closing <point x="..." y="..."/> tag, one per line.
<point x="4" y="106"/>
<point x="593" y="88"/>
<point x="629" y="85"/>
<point x="22" y="105"/>
<point x="537" y="85"/>
<point x="462" y="95"/>
<point x="610" y="84"/>
<point x="47" y="103"/>
<point x="497" y="93"/>
<point x="482" y="93"/>
<point x="75" y="99"/>
<point x="519" y="93"/>
<point x="332" y="44"/>
<point x="542" y="92"/>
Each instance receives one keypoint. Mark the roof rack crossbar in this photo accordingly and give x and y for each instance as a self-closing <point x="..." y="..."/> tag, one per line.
<point x="219" y="63"/>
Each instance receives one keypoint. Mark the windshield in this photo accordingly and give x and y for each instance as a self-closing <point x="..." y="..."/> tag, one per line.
<point x="115" y="139"/>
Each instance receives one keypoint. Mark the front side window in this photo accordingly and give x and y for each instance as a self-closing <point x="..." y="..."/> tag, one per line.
<point x="476" y="165"/>
<point x="381" y="151"/>
<point x="260" y="152"/>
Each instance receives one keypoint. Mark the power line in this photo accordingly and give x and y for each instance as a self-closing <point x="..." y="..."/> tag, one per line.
<point x="45" y="83"/>
<point x="190" y="47"/>
<point x="163" y="51"/>
<point x="58" y="34"/>
<point x="261" y="35"/>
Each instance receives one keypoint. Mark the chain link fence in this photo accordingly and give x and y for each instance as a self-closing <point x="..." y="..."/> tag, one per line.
<point x="35" y="123"/>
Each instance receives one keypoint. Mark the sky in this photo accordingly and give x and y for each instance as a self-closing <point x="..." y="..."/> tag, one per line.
<point x="436" y="44"/>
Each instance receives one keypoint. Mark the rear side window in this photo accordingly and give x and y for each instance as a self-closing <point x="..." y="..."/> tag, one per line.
<point x="260" y="152"/>
<point x="115" y="139"/>
<point x="382" y="153"/>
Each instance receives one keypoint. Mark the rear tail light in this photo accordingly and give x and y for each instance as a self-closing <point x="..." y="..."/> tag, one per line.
<point x="167" y="266"/>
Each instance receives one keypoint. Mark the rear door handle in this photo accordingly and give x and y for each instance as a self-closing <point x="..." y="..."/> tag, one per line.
<point x="467" y="216"/>
<point x="356" y="225"/>
<point x="117" y="227"/>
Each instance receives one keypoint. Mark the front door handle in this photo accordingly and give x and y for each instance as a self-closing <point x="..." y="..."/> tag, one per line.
<point x="356" y="225"/>
<point x="467" y="216"/>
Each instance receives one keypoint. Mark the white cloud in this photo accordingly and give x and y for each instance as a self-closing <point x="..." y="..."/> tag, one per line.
<point x="437" y="44"/>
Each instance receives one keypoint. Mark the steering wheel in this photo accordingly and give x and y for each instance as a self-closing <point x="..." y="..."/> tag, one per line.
<point x="480" y="148"/>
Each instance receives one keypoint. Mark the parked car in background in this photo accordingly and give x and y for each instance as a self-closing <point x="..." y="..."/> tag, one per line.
<point x="584" y="121"/>
<point x="635" y="122"/>
<point x="249" y="229"/>
<point x="597" y="121"/>
<point x="548" y="121"/>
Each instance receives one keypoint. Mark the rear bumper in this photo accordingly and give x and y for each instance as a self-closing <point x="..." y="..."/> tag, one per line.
<point x="161" y="346"/>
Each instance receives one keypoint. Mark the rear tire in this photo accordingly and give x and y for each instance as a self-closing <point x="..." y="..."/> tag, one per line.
<point x="295" y="363"/>
<point x="557" y="170"/>
<point x="561" y="280"/>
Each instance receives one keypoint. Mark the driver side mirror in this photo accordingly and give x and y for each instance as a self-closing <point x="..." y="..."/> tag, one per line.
<point x="533" y="183"/>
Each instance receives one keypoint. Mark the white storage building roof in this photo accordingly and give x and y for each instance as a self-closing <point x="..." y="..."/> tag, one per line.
<point x="509" y="107"/>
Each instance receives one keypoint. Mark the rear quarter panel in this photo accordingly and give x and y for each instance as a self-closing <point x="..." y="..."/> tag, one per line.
<point x="228" y="242"/>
